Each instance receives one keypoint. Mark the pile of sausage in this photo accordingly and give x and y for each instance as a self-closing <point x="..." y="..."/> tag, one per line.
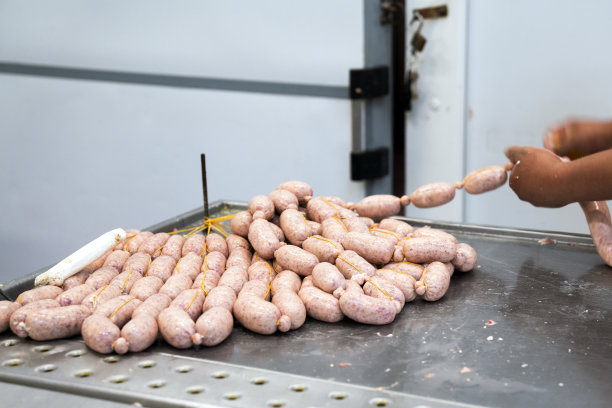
<point x="290" y="255"/>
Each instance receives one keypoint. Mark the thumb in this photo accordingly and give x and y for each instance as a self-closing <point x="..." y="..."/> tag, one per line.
<point x="515" y="153"/>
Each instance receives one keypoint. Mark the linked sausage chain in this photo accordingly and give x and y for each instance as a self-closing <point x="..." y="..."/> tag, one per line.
<point x="288" y="256"/>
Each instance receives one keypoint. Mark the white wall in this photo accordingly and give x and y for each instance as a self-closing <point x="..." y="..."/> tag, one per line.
<point x="78" y="158"/>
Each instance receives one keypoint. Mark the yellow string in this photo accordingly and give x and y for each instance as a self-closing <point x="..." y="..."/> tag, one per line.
<point x="332" y="206"/>
<point x="341" y="223"/>
<point x="126" y="280"/>
<point x="326" y="240"/>
<point x="192" y="300"/>
<point x="123" y="304"/>
<point x="95" y="298"/>
<point x="356" y="268"/>
<point x="380" y="289"/>
<point x="385" y="232"/>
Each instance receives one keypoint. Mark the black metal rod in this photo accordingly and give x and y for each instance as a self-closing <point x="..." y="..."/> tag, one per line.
<point x="204" y="185"/>
<point x="398" y="44"/>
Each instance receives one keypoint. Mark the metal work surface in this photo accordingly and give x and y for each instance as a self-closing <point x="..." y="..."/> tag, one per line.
<point x="530" y="326"/>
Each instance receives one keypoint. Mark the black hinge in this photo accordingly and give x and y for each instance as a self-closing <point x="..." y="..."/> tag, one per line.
<point x="369" y="83"/>
<point x="370" y="164"/>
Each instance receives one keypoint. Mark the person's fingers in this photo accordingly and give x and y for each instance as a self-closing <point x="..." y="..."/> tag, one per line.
<point x="514" y="153"/>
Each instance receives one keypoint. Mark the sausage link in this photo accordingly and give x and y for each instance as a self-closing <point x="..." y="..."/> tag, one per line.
<point x="401" y="228"/>
<point x="215" y="261"/>
<point x="206" y="281"/>
<point x="373" y="249"/>
<point x="117" y="259"/>
<point x="56" y="323"/>
<point x="221" y="296"/>
<point x="146" y="287"/>
<point x="295" y="259"/>
<point x="357" y="224"/>
<point x="153" y="305"/>
<point x="283" y="200"/>
<point x="320" y="305"/>
<point x="6" y="310"/>
<point x="75" y="295"/>
<point x="175" y="285"/>
<point x="483" y="180"/>
<point x="234" y="277"/>
<point x="290" y="304"/>
<point x="428" y="249"/>
<point x="196" y="244"/>
<point x="465" y="259"/>
<point x="18" y="317"/>
<point x="132" y="244"/>
<point x="125" y="280"/>
<point x="402" y="280"/>
<point x="259" y="316"/>
<point x="176" y="327"/>
<point x="427" y="231"/>
<point x="261" y="206"/>
<point x="352" y="265"/>
<point x="367" y="309"/>
<point x="101" y="277"/>
<point x="137" y="335"/>
<point x="39" y="293"/>
<point x="432" y="195"/>
<point x="263" y="238"/>
<point x="434" y="283"/>
<point x="191" y="301"/>
<point x="213" y="326"/>
<point x="138" y="262"/>
<point x="319" y="209"/>
<point x="379" y="206"/>
<point x="99" y="333"/>
<point x="189" y="265"/>
<point x="174" y="247"/>
<point x="333" y="229"/>
<point x="301" y="190"/>
<point x="77" y="279"/>
<point x="100" y="296"/>
<point x="119" y="310"/>
<point x="261" y="270"/>
<point x="241" y="222"/>
<point x="236" y="241"/>
<point x="378" y="287"/>
<point x="413" y="269"/>
<point x="240" y="257"/>
<point x="129" y="233"/>
<point x="162" y="267"/>
<point x="216" y="243"/>
<point x="286" y="280"/>
<point x="295" y="226"/>
<point x="326" y="250"/>
<point x="154" y="244"/>
<point x="327" y="277"/>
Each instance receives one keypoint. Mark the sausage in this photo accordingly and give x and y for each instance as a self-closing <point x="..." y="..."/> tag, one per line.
<point x="117" y="259"/>
<point x="432" y="195"/>
<point x="206" y="281"/>
<point x="18" y="317"/>
<point x="153" y="305"/>
<point x="101" y="277"/>
<point x="39" y="293"/>
<point x="6" y="310"/>
<point x="319" y="209"/>
<point x="386" y="234"/>
<point x="320" y="305"/>
<point x="301" y="190"/>
<point x="189" y="265"/>
<point x="261" y="206"/>
<point x="138" y="262"/>
<point x="191" y="301"/>
<point x="240" y="257"/>
<point x="174" y="247"/>
<point x="137" y="335"/>
<point x="334" y="229"/>
<point x="119" y="310"/>
<point x="427" y="231"/>
<point x="56" y="323"/>
<point x="234" y="241"/>
<point x="216" y="243"/>
<point x="290" y="304"/>
<point x="263" y="238"/>
<point x="75" y="295"/>
<point x="213" y="326"/>
<point x="429" y="249"/>
<point x="362" y="308"/>
<point x="154" y="243"/>
<point x="99" y="333"/>
<point x="283" y="200"/>
<point x="100" y="296"/>
<point x="357" y="224"/>
<point x="326" y="250"/>
<point x="175" y="285"/>
<point x="413" y="269"/>
<point x="352" y="265"/>
<point x="598" y="218"/>
<point x="132" y="244"/>
<point x="434" y="283"/>
<point x="257" y="288"/>
<point x="215" y="261"/>
<point x="286" y="280"/>
<point x="380" y="206"/>
<point x="483" y="180"/>
<point x="129" y="233"/>
<point x="221" y="296"/>
<point x="379" y="287"/>
<point x="402" y="280"/>
<point x="77" y="279"/>
<point x="176" y="327"/>
<point x="241" y="222"/>
<point x="295" y="259"/>
<point x="125" y="280"/>
<point x="465" y="259"/>
<point x="327" y="277"/>
<point x="195" y="243"/>
<point x="259" y="316"/>
<point x="373" y="249"/>
<point x="234" y="277"/>
<point x="401" y="228"/>
<point x="280" y="235"/>
<point x="162" y="267"/>
<point x="315" y="227"/>
<point x="295" y="226"/>
<point x="145" y="287"/>
<point x="261" y="271"/>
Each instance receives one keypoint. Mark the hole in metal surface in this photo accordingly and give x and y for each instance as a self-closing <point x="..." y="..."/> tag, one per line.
<point x="13" y="362"/>
<point x="298" y="388"/>
<point x="259" y="381"/>
<point x="46" y="368"/>
<point x="75" y="353"/>
<point x="146" y="364"/>
<point x="276" y="404"/>
<point x="220" y="375"/>
<point x="83" y="374"/>
<point x="111" y="359"/>
<point x="196" y="389"/>
<point x="118" y="379"/>
<point x="156" y="384"/>
<point x="43" y="348"/>
<point x="338" y="396"/>
<point x="10" y="342"/>
<point x="380" y="402"/>
<point x="183" y="369"/>
<point x="232" y="396"/>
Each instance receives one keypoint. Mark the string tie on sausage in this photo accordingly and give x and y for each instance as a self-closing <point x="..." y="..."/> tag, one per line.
<point x="120" y="306"/>
<point x="192" y="299"/>
<point x="380" y="289"/>
<point x="126" y="280"/>
<point x="326" y="240"/>
<point x="95" y="298"/>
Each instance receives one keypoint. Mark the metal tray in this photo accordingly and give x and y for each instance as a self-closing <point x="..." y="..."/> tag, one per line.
<point x="530" y="326"/>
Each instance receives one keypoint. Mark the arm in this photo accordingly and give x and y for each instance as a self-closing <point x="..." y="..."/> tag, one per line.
<point x="543" y="179"/>
<point x="579" y="138"/>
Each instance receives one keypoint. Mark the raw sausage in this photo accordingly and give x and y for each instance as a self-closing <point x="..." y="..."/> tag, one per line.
<point x="367" y="309"/>
<point x="434" y="283"/>
<point x="153" y="244"/>
<point x="190" y="300"/>
<point x="327" y="277"/>
<point x="283" y="199"/>
<point x="152" y="305"/>
<point x="241" y="222"/>
<point x="380" y="206"/>
<point x="18" y="317"/>
<point x="294" y="226"/>
<point x="138" y="262"/>
<point x="6" y="310"/>
<point x="320" y="209"/>
<point x="216" y="243"/>
<point x="301" y="190"/>
<point x="100" y="296"/>
<point x="483" y="180"/>
<point x="295" y="259"/>
<point x="162" y="267"/>
<point x="174" y="247"/>
<point x="432" y="195"/>
<point x="175" y="285"/>
<point x="189" y="265"/>
<point x="99" y="333"/>
<point x="403" y="281"/>
<point x="320" y="305"/>
<point x="132" y="244"/>
<point x="351" y="264"/>
<point x="263" y="238"/>
<point x="213" y="326"/>
<point x="465" y="259"/>
<point x="196" y="244"/>
<point x="119" y="310"/>
<point x="137" y="335"/>
<point x="75" y="295"/>
<point x="221" y="296"/>
<point x="326" y="250"/>
<point x="261" y="206"/>
<point x="334" y="229"/>
<point x="39" y="293"/>
<point x="145" y="287"/>
<point x="401" y="228"/>
<point x="429" y="249"/>
<point x="56" y="323"/>
<point x="286" y="280"/>
<point x="176" y="327"/>
<point x="234" y="277"/>
<point x="598" y="218"/>
<point x="117" y="259"/>
<point x="373" y="249"/>
<point x="290" y="304"/>
<point x="101" y="277"/>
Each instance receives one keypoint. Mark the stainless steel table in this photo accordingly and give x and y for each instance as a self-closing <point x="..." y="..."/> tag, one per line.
<point x="530" y="326"/>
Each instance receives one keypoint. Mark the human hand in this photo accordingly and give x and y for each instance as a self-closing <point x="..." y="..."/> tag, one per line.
<point x="578" y="138"/>
<point x="538" y="176"/>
